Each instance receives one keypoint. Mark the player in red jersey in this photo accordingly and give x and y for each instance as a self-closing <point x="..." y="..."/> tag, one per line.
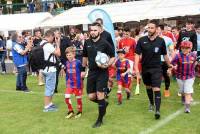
<point x="168" y="33"/>
<point x="128" y="44"/>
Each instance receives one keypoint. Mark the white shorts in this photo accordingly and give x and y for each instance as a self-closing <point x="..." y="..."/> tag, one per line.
<point x="131" y="67"/>
<point x="186" y="86"/>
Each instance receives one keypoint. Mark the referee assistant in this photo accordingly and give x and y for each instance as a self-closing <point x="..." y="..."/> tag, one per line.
<point x="151" y="48"/>
<point x="97" y="75"/>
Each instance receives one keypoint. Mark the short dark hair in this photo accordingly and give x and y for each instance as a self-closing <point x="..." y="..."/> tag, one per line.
<point x="37" y="30"/>
<point x="197" y="26"/>
<point x="126" y="29"/>
<point x="100" y="19"/>
<point x="161" y="26"/>
<point x="96" y="24"/>
<point x="24" y="33"/>
<point x="49" y="33"/>
<point x="14" y="36"/>
<point x="155" y="22"/>
<point x="190" y="21"/>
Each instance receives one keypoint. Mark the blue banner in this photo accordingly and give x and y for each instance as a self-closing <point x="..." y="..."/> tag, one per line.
<point x="107" y="22"/>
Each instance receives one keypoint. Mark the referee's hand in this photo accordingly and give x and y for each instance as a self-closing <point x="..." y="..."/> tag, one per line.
<point x="103" y="66"/>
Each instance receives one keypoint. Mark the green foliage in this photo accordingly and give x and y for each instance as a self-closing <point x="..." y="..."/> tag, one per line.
<point x="21" y="113"/>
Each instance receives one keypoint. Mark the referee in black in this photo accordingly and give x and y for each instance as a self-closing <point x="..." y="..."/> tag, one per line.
<point x="150" y="48"/>
<point x="98" y="75"/>
<point x="107" y="36"/>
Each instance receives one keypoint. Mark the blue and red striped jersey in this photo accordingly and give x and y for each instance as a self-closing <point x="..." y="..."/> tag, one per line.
<point x="73" y="74"/>
<point x="122" y="67"/>
<point x="185" y="65"/>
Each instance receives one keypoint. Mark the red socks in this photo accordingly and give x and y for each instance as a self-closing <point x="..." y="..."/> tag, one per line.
<point x="69" y="104"/>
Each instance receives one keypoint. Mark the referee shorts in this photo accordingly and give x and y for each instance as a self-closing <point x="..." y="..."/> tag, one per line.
<point x="97" y="81"/>
<point x="152" y="77"/>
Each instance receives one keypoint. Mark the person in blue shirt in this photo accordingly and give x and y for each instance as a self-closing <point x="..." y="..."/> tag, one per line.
<point x="19" y="52"/>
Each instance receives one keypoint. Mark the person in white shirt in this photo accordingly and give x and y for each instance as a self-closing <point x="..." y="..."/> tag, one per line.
<point x="49" y="73"/>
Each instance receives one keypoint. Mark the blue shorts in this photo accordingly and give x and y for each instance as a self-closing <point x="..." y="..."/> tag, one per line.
<point x="50" y="82"/>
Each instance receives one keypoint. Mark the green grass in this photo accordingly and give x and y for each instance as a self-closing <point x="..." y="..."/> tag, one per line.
<point x="21" y="113"/>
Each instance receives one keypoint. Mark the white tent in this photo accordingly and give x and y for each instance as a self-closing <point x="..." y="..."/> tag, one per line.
<point x="173" y="8"/>
<point x="119" y="12"/>
<point x="129" y="11"/>
<point x="22" y="21"/>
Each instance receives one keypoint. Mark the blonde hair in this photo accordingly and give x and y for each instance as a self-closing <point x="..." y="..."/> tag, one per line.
<point x="70" y="50"/>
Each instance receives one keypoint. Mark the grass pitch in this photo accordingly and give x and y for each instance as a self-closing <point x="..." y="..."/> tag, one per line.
<point x="21" y="113"/>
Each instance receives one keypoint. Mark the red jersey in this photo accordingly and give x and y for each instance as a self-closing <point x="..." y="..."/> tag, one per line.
<point x="170" y="35"/>
<point x="129" y="44"/>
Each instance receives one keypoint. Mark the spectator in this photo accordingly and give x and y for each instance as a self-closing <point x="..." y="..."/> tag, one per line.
<point x="37" y="37"/>
<point x="9" y="6"/>
<point x="175" y="32"/>
<point x="31" y="6"/>
<point x="1" y="9"/>
<point x="19" y="52"/>
<point x="198" y="49"/>
<point x="49" y="72"/>
<point x="78" y="45"/>
<point x="2" y="54"/>
<point x="9" y="47"/>
<point x="64" y="43"/>
<point x="188" y="34"/>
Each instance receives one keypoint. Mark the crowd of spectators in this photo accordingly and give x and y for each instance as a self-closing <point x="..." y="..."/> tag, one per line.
<point x="52" y="6"/>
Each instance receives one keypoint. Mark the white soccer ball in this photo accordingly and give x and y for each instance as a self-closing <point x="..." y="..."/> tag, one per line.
<point x="101" y="59"/>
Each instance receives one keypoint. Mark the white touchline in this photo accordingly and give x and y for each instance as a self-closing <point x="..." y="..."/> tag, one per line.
<point x="165" y="121"/>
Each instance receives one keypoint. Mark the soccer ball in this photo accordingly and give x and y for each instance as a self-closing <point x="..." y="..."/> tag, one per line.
<point x="101" y="59"/>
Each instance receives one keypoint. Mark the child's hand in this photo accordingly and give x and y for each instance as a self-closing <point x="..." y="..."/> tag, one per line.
<point x="169" y="71"/>
<point x="62" y="73"/>
<point x="123" y="74"/>
<point x="83" y="74"/>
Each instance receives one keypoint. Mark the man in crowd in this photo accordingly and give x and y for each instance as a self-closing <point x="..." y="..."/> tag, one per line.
<point x="49" y="72"/>
<point x="128" y="44"/>
<point x="2" y="54"/>
<point x="64" y="43"/>
<point x="188" y="34"/>
<point x="170" y="52"/>
<point x="19" y="52"/>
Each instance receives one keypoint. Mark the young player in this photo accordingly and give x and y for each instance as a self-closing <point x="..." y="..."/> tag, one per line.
<point x="185" y="74"/>
<point x="73" y="82"/>
<point x="123" y="68"/>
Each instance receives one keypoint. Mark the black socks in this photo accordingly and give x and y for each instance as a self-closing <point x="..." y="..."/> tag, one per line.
<point x="157" y="100"/>
<point x="150" y="95"/>
<point x="102" y="109"/>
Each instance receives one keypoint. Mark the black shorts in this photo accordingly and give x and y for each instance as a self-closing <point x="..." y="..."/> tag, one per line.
<point x="97" y="81"/>
<point x="152" y="77"/>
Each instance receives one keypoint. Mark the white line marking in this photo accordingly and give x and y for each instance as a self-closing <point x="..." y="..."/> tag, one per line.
<point x="165" y="121"/>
